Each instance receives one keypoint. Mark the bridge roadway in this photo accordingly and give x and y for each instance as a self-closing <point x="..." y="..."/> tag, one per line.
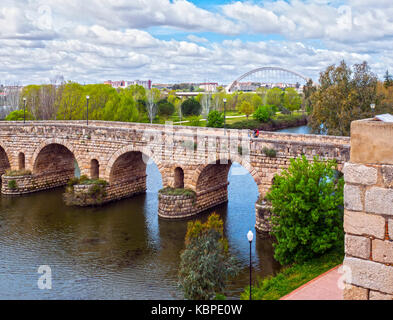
<point x="193" y="158"/>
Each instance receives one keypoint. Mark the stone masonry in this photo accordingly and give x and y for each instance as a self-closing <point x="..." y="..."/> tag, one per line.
<point x="118" y="152"/>
<point x="368" y="216"/>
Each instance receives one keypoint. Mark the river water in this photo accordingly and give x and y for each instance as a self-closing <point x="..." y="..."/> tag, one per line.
<point x="119" y="251"/>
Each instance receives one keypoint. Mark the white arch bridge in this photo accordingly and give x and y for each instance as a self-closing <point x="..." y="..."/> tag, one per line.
<point x="269" y="76"/>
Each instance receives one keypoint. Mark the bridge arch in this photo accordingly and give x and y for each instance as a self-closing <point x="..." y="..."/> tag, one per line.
<point x="54" y="159"/>
<point x="229" y="160"/>
<point x="54" y="141"/>
<point x="145" y="155"/>
<point x="231" y="86"/>
<point x="5" y="160"/>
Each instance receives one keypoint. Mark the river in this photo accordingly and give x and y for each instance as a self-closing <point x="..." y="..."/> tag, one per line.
<point x="118" y="251"/>
<point x="301" y="130"/>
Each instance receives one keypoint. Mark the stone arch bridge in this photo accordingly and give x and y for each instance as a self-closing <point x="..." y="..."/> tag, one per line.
<point x="43" y="154"/>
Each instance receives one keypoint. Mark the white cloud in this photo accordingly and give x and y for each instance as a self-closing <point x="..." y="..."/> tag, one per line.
<point x="197" y="39"/>
<point x="93" y="40"/>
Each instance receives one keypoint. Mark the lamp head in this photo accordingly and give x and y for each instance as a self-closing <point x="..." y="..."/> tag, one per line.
<point x="87" y="97"/>
<point x="225" y="100"/>
<point x="250" y="236"/>
<point x="372" y="106"/>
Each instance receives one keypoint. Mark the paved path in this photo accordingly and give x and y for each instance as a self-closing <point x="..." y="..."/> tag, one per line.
<point x="323" y="287"/>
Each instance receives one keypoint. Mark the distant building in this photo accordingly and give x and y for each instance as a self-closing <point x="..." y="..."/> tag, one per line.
<point x="162" y="86"/>
<point x="209" y="86"/>
<point x="124" y="84"/>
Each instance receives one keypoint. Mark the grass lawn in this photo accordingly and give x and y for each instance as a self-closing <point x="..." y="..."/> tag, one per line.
<point x="294" y="276"/>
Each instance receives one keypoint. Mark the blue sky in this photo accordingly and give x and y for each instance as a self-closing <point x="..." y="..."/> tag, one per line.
<point x="195" y="40"/>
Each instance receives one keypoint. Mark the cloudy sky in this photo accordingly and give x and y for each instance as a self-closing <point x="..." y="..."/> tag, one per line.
<point x="91" y="41"/>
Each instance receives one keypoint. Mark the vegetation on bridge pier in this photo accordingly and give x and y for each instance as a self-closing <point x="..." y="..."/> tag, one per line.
<point x="85" y="192"/>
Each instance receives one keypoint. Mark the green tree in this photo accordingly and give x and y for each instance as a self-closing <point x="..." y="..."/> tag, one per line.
<point x="121" y="107"/>
<point x="247" y="108"/>
<point x="275" y="97"/>
<point x="388" y="79"/>
<point x="165" y="108"/>
<point x="308" y="91"/>
<point x="291" y="100"/>
<point x="262" y="92"/>
<point x="139" y="95"/>
<point x="72" y="104"/>
<point x="191" y="107"/>
<point x="307" y="209"/>
<point x="343" y="96"/>
<point x="99" y="95"/>
<point x="256" y="101"/>
<point x="215" y="119"/>
<point x="32" y="95"/>
<point x="17" y="115"/>
<point x="205" y="264"/>
<point x="264" y="113"/>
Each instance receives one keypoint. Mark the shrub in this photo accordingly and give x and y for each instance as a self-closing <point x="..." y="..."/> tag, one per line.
<point x="195" y="121"/>
<point x="17" y="115"/>
<point x="242" y="151"/>
<point x="271" y="153"/>
<point x="245" y="124"/>
<point x="215" y="119"/>
<point x="97" y="190"/>
<point x="16" y="173"/>
<point x="73" y="181"/>
<point x="83" y="178"/>
<point x="165" y="108"/>
<point x="307" y="214"/>
<point x="205" y="264"/>
<point x="264" y="113"/>
<point x="12" y="184"/>
<point x="191" y="107"/>
<point x="178" y="192"/>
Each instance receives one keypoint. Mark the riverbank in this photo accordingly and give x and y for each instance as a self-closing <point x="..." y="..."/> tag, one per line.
<point x="292" y="277"/>
<point x="280" y="122"/>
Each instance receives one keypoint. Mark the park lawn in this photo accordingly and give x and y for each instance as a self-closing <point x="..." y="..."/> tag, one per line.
<point x="294" y="276"/>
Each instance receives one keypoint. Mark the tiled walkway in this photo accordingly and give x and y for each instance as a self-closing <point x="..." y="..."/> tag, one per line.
<point x="323" y="287"/>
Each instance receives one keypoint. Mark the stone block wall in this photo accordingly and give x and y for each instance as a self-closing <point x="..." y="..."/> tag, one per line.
<point x="176" y="206"/>
<point x="368" y="215"/>
<point x="263" y="214"/>
<point x="32" y="183"/>
<point x="81" y="196"/>
<point x="183" y="206"/>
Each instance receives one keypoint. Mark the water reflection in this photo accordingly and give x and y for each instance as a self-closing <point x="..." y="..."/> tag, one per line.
<point x="120" y="251"/>
<point x="300" y="130"/>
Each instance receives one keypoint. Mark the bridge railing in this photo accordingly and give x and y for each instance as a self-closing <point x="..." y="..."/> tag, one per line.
<point x="183" y="130"/>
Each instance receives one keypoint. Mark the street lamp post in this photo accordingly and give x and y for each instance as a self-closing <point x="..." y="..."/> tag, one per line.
<point x="87" y="110"/>
<point x="250" y="236"/>
<point x="372" y="106"/>
<point x="24" y="110"/>
<point x="225" y="102"/>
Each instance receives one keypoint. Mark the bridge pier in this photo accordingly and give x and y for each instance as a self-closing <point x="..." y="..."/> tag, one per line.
<point x="23" y="184"/>
<point x="171" y="206"/>
<point x="263" y="214"/>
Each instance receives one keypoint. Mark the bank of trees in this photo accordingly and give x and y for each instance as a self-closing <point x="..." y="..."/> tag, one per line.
<point x="67" y="101"/>
<point x="344" y="95"/>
